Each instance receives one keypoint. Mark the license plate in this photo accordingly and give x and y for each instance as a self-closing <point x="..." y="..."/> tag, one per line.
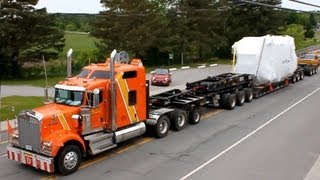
<point x="29" y="147"/>
<point x="29" y="160"/>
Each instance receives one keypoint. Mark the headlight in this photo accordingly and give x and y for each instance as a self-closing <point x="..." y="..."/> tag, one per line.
<point x="153" y="78"/>
<point x="47" y="143"/>
<point x="15" y="135"/>
<point x="166" y="79"/>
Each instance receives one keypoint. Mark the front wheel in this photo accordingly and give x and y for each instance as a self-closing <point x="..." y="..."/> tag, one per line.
<point x="69" y="159"/>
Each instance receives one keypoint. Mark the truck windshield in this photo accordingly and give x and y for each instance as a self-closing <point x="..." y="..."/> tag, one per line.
<point x="68" y="97"/>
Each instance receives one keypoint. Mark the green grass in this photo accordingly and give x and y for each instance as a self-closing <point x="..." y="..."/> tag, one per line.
<point x="18" y="103"/>
<point x="78" y="42"/>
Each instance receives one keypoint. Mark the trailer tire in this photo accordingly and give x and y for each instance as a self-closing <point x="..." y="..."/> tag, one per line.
<point x="162" y="127"/>
<point x="240" y="98"/>
<point x="302" y="75"/>
<point x="195" y="116"/>
<point x="316" y="70"/>
<point x="223" y="100"/>
<point x="179" y="120"/>
<point x="230" y="101"/>
<point x="248" y="95"/>
<point x="69" y="159"/>
<point x="293" y="79"/>
<point x="298" y="76"/>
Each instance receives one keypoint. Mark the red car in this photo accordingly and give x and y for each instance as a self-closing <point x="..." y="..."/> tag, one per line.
<point x="161" y="76"/>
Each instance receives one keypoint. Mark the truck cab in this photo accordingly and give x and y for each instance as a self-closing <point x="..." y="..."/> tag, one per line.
<point x="79" y="121"/>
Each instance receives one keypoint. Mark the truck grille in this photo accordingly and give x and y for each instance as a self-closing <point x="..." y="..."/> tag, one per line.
<point x="29" y="132"/>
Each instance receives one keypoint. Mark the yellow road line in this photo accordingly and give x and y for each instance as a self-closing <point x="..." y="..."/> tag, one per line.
<point x="209" y="114"/>
<point x="118" y="151"/>
<point x="126" y="148"/>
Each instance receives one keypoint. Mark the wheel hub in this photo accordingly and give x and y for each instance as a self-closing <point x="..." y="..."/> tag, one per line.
<point x="70" y="160"/>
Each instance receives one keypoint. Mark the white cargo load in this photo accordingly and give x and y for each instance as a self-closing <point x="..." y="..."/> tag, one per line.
<point x="269" y="58"/>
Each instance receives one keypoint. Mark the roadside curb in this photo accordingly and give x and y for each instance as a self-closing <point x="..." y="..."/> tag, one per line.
<point x="188" y="67"/>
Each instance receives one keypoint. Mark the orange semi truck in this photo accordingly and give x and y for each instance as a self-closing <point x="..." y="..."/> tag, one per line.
<point x="109" y="103"/>
<point x="104" y="105"/>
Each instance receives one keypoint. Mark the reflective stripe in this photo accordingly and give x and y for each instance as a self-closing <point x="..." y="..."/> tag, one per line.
<point x="124" y="90"/>
<point x="63" y="122"/>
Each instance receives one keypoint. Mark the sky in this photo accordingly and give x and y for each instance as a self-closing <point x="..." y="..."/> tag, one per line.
<point x="94" y="6"/>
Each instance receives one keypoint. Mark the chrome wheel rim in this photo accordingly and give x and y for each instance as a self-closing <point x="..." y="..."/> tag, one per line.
<point x="196" y="117"/>
<point x="163" y="126"/>
<point x="70" y="160"/>
<point x="181" y="120"/>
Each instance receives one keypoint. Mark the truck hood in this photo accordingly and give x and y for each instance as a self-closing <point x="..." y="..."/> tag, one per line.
<point x="50" y="110"/>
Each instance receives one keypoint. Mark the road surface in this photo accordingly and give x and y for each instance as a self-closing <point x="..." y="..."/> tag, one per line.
<point x="273" y="137"/>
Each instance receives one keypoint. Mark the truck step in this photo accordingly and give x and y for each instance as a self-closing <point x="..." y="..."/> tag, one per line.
<point x="98" y="137"/>
<point x="100" y="142"/>
<point x="101" y="147"/>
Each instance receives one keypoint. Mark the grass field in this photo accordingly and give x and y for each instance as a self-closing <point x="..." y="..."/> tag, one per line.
<point x="79" y="42"/>
<point x="18" y="103"/>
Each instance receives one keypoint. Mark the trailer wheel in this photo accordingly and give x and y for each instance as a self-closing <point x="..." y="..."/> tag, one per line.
<point x="240" y="98"/>
<point x="195" y="116"/>
<point x="293" y="79"/>
<point x="248" y="95"/>
<point x="316" y="70"/>
<point x="162" y="127"/>
<point x="69" y="159"/>
<point x="223" y="99"/>
<point x="230" y="101"/>
<point x="179" y="119"/>
<point x="298" y="76"/>
<point x="302" y="75"/>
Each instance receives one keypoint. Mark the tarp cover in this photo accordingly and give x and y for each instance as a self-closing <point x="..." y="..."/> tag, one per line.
<point x="269" y="58"/>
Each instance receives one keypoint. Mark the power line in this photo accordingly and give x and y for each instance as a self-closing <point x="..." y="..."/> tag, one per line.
<point x="305" y="3"/>
<point x="271" y="6"/>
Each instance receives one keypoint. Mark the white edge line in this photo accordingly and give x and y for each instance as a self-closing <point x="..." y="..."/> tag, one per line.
<point x="185" y="67"/>
<point x="246" y="137"/>
<point x="212" y="65"/>
<point x="201" y="66"/>
<point x="173" y="69"/>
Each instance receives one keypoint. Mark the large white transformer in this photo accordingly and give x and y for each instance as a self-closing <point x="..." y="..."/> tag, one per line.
<point x="269" y="58"/>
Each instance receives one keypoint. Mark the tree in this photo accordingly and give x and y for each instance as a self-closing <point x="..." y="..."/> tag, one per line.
<point x="135" y="26"/>
<point x="25" y="30"/>
<point x="198" y="27"/>
<point x="297" y="32"/>
<point x="313" y="21"/>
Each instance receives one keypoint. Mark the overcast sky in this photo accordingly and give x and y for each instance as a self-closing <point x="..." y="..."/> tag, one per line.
<point x="94" y="6"/>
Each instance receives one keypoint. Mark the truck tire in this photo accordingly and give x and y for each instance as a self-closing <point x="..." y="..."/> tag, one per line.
<point x="248" y="95"/>
<point x="69" y="159"/>
<point x="293" y="78"/>
<point x="298" y="77"/>
<point x="195" y="116"/>
<point x="316" y="70"/>
<point x="179" y="120"/>
<point x="162" y="127"/>
<point x="222" y="100"/>
<point x="302" y="75"/>
<point x="240" y="98"/>
<point x="230" y="101"/>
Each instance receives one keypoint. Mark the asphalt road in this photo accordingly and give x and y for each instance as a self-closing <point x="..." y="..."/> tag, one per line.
<point x="273" y="137"/>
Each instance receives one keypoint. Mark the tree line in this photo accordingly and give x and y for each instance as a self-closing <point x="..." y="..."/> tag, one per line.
<point x="148" y="29"/>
